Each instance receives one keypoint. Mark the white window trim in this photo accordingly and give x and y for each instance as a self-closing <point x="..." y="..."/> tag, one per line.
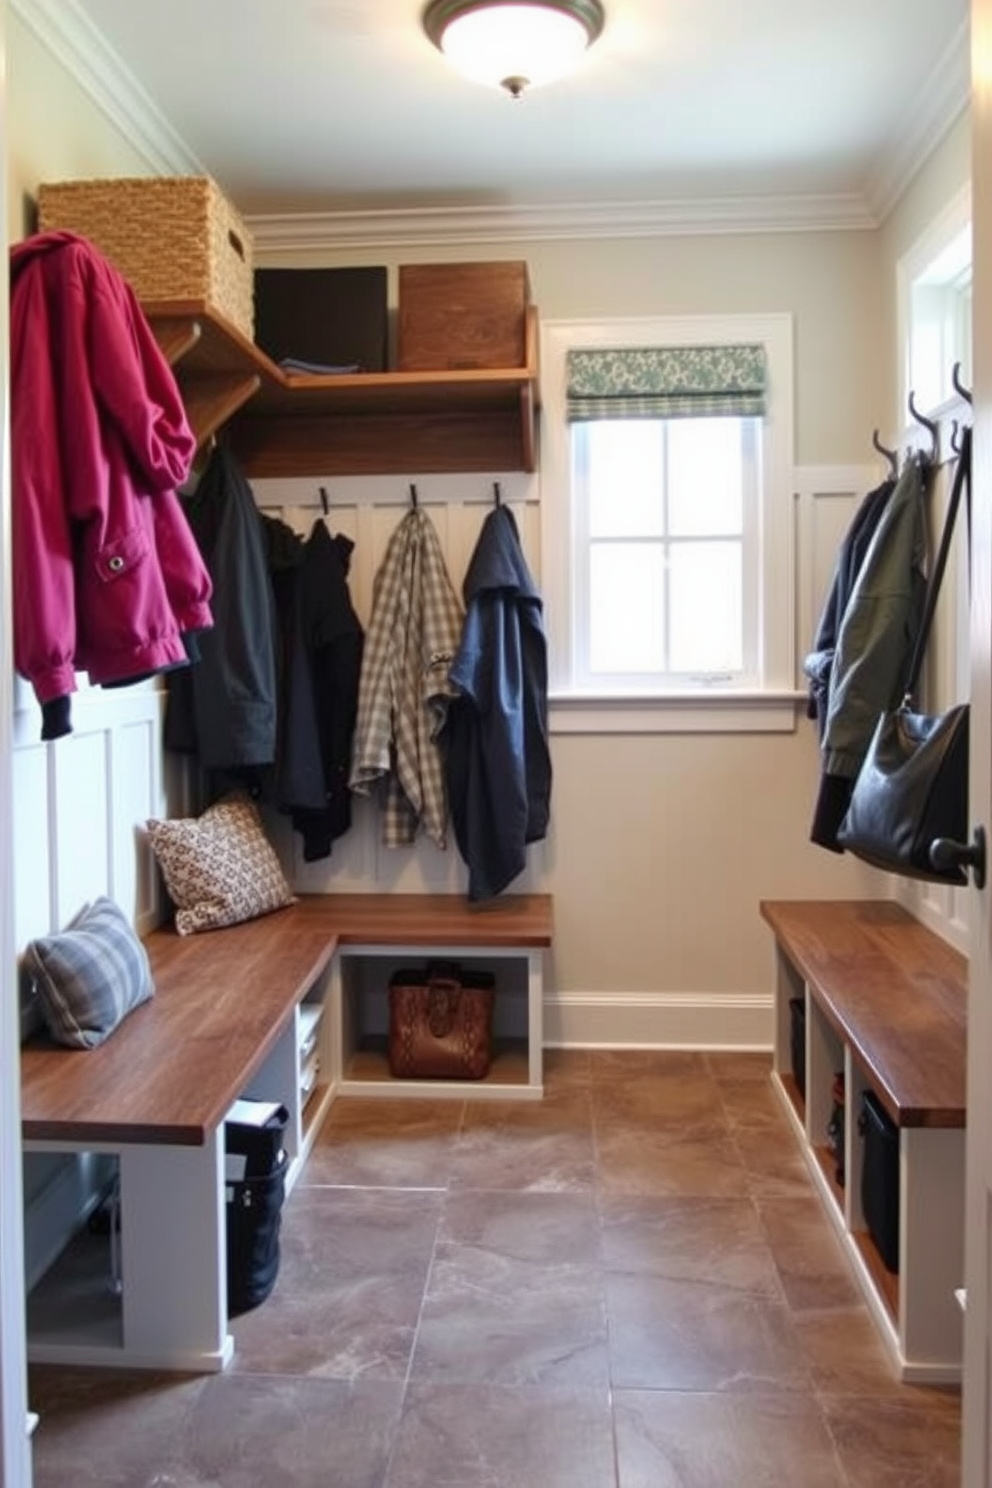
<point x="940" y="233"/>
<point x="771" y="707"/>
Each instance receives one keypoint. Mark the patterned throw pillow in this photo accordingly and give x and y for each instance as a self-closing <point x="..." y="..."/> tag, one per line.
<point x="90" y="975"/>
<point x="219" y="868"/>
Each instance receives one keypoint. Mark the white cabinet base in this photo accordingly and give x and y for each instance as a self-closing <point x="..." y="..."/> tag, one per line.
<point x="171" y="1309"/>
<point x="917" y="1313"/>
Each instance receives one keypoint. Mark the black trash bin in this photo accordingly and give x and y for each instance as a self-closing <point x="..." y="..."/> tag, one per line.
<point x="254" y="1207"/>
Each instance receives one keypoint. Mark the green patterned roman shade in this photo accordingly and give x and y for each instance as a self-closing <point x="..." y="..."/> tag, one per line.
<point x="666" y="382"/>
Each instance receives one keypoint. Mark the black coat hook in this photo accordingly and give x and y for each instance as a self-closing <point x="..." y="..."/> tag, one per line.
<point x="928" y="424"/>
<point x="497" y="494"/>
<point x="954" y="440"/>
<point x="324" y="501"/>
<point x="959" y="387"/>
<point x="891" y="455"/>
<point x="413" y="496"/>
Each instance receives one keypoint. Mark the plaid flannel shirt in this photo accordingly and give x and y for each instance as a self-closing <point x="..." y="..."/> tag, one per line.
<point x="413" y="634"/>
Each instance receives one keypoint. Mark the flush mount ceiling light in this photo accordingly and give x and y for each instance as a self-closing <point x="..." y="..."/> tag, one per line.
<point x="513" y="44"/>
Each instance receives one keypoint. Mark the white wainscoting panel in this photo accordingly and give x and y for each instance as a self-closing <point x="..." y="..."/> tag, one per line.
<point x="827" y="497"/>
<point x="79" y="805"/>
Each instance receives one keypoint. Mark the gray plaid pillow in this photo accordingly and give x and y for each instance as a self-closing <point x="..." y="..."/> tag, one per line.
<point x="90" y="975"/>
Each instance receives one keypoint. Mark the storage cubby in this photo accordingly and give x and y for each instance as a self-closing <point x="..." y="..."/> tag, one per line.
<point x="884" y="1002"/>
<point x="362" y="1002"/>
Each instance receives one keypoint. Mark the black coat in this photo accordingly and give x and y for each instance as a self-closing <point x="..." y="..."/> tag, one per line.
<point x="498" y="764"/>
<point x="320" y="658"/>
<point x="224" y="709"/>
<point x="332" y="638"/>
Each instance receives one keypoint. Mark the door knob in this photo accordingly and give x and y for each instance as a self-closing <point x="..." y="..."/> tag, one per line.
<point x="945" y="854"/>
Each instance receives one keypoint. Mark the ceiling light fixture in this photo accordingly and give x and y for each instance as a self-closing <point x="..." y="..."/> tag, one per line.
<point x="513" y="44"/>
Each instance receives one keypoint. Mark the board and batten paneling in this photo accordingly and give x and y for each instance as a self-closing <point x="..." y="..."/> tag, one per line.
<point x="367" y="510"/>
<point x="80" y="803"/>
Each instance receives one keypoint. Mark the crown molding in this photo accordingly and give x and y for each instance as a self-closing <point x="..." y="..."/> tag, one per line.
<point x="282" y="233"/>
<point x="74" y="41"/>
<point x="62" y="27"/>
<point x="943" y="99"/>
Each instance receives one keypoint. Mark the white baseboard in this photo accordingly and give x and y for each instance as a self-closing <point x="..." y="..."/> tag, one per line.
<point x="658" y="1020"/>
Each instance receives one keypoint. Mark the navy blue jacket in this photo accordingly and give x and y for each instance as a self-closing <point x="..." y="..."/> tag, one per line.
<point x="498" y="765"/>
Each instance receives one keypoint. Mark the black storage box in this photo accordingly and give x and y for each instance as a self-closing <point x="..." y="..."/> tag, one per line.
<point x="797" y="1041"/>
<point x="880" y="1178"/>
<point x="334" y="318"/>
<point x="254" y="1208"/>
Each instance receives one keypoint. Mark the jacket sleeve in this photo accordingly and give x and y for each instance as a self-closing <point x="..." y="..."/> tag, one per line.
<point x="44" y="612"/>
<point x="136" y="387"/>
<point x="877" y="632"/>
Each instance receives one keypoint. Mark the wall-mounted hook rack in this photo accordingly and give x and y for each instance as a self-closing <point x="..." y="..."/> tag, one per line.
<point x="928" y="424"/>
<point x="890" y="454"/>
<point x="959" y="387"/>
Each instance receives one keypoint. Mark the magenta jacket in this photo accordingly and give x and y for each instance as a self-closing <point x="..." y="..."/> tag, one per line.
<point x="107" y="574"/>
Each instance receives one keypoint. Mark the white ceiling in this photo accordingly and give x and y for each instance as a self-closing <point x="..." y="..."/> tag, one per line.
<point x="314" y="106"/>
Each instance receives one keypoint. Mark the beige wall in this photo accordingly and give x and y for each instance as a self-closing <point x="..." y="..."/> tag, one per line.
<point x="661" y="847"/>
<point x="829" y="281"/>
<point x="56" y="132"/>
<point x="942" y="174"/>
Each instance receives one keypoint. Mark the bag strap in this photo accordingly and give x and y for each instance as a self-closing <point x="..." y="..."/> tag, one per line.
<point x="962" y="482"/>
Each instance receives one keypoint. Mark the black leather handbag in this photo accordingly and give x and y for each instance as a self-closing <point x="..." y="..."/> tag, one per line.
<point x="912" y="788"/>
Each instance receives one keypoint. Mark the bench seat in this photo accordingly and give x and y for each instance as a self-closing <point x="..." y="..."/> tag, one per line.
<point x="173" y="1068"/>
<point x="894" y="991"/>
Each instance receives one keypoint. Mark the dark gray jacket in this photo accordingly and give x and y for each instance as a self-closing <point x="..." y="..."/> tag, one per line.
<point x="874" y="644"/>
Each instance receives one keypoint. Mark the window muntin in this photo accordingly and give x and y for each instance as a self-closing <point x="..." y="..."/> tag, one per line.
<point x="665" y="516"/>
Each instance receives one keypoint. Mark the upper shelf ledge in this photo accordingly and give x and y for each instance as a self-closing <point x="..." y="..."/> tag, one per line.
<point x="366" y="423"/>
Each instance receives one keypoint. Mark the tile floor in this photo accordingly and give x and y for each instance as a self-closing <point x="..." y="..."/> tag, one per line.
<point x="629" y="1285"/>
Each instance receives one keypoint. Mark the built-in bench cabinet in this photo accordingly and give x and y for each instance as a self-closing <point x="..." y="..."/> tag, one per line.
<point x="287" y="1008"/>
<point x="882" y="1005"/>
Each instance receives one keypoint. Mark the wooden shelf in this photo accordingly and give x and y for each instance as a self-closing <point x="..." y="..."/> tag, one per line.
<point x="387" y="423"/>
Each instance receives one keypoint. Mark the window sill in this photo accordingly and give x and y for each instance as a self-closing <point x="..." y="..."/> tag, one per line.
<point x="727" y="712"/>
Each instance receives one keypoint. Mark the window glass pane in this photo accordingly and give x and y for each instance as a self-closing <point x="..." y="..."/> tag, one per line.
<point x="705" y="464"/>
<point x="626" y="611"/>
<point x="626" y="471"/>
<point x="706" y="607"/>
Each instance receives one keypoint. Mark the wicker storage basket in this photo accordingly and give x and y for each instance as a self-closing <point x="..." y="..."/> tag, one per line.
<point x="172" y="237"/>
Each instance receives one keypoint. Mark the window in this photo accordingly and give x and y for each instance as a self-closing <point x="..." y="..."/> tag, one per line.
<point x="934" y="291"/>
<point x="666" y="498"/>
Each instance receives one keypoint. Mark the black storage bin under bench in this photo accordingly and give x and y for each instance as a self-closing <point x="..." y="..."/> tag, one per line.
<point x="880" y="1178"/>
<point x="254" y="1208"/>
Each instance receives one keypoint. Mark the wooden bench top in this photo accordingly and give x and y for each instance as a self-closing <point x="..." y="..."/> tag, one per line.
<point x="892" y="989"/>
<point x="172" y="1069"/>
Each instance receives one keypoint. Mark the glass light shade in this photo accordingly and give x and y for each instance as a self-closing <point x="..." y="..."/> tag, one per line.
<point x="515" y="45"/>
